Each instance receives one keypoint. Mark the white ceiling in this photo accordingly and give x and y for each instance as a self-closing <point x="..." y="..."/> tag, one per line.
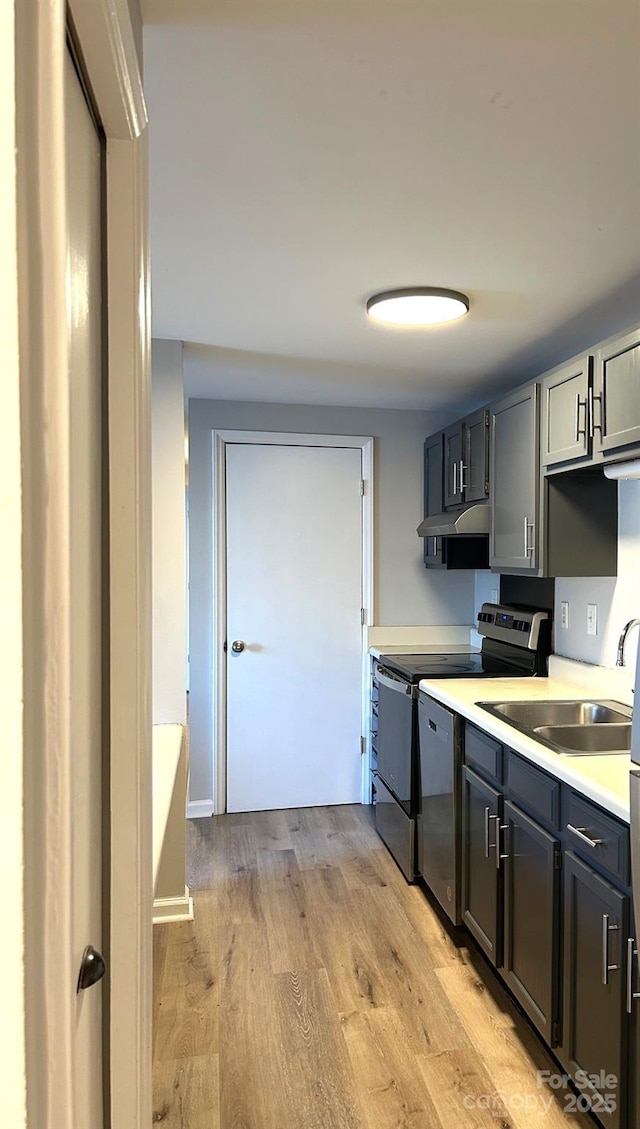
<point x="307" y="153"/>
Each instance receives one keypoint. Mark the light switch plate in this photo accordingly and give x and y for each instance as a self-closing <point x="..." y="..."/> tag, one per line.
<point x="592" y="619"/>
<point x="494" y="595"/>
<point x="564" y="614"/>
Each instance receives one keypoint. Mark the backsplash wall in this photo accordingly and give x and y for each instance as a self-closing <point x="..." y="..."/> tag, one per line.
<point x="617" y="598"/>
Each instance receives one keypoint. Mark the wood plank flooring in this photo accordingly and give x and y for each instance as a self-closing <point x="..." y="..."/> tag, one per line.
<point x="317" y="990"/>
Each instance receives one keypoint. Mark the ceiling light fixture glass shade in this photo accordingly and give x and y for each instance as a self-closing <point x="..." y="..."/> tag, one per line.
<point x="417" y="305"/>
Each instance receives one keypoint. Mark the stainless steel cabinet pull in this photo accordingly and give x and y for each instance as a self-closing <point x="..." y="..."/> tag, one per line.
<point x="606" y="967"/>
<point x="496" y="820"/>
<point x="528" y="549"/>
<point x="455" y="479"/>
<point x="597" y="426"/>
<point x="581" y="430"/>
<point x="463" y="484"/>
<point x="632" y="953"/>
<point x="580" y="832"/>
<point x="487" y="848"/>
<point x="499" y="856"/>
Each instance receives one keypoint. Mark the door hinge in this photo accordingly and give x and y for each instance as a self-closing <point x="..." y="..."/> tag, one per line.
<point x="363" y="746"/>
<point x="362" y="487"/>
<point x="557" y="858"/>
<point x="556" y="1033"/>
<point x="363" y="616"/>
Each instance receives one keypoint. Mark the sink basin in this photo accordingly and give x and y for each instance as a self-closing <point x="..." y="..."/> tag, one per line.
<point x="533" y="714"/>
<point x="587" y="740"/>
<point x="571" y="728"/>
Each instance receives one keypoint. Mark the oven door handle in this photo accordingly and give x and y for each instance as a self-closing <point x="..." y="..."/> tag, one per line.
<point x="397" y="684"/>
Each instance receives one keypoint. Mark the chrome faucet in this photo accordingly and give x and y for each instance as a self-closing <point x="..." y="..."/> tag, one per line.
<point x="623" y="638"/>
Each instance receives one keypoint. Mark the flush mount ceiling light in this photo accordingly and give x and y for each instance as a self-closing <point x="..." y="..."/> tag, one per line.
<point x="417" y="305"/>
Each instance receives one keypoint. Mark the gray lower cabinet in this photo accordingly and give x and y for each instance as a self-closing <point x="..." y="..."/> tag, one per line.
<point x="531" y="965"/>
<point x="565" y="414"/>
<point x="514" y="481"/>
<point x="616" y="410"/>
<point x="595" y="1020"/>
<point x="557" y="926"/>
<point x="481" y="878"/>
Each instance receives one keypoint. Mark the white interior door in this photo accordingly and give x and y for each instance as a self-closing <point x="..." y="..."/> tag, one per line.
<point x="294" y="581"/>
<point x="87" y="552"/>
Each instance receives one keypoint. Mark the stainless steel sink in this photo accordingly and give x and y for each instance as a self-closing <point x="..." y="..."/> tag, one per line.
<point x="572" y="728"/>
<point x="587" y="740"/>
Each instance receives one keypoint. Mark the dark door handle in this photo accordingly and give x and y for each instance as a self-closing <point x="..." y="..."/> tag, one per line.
<point x="92" y="968"/>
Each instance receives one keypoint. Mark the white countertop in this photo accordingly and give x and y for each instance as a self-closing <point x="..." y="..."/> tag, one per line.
<point x="604" y="779"/>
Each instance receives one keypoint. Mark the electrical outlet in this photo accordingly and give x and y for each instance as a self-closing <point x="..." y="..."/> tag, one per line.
<point x="592" y="619"/>
<point x="494" y="596"/>
<point x="564" y="614"/>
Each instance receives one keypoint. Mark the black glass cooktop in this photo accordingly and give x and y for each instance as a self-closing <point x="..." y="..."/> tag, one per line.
<point x="415" y="667"/>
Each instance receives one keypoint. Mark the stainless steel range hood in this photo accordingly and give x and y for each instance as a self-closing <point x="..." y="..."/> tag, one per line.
<point x="457" y="523"/>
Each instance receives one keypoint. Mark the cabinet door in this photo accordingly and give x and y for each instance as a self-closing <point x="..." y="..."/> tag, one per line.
<point x="481" y="878"/>
<point x="514" y="480"/>
<point x="565" y="420"/>
<point x="616" y="409"/>
<point x="532" y="919"/>
<point x="433" y="497"/>
<point x="633" y="1002"/>
<point x="595" y="1025"/>
<point x="453" y="463"/>
<point x="476" y="457"/>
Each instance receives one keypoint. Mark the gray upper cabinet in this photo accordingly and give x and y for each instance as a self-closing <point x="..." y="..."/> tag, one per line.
<point x="475" y="469"/>
<point x="565" y="414"/>
<point x="616" y="397"/>
<point x="466" y="460"/>
<point x="514" y="481"/>
<point x="453" y="464"/>
<point x="433" y="547"/>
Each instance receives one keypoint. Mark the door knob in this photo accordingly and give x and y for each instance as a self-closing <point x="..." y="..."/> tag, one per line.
<point x="237" y="646"/>
<point x="92" y="968"/>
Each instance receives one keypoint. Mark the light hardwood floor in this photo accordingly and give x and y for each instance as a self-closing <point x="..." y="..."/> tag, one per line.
<point x="317" y="990"/>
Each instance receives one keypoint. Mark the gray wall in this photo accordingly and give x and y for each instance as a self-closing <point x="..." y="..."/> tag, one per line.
<point x="617" y="598"/>
<point x="169" y="534"/>
<point x="404" y="592"/>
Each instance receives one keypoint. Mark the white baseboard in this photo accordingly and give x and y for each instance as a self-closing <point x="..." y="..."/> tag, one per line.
<point x="199" y="809"/>
<point x="173" y="909"/>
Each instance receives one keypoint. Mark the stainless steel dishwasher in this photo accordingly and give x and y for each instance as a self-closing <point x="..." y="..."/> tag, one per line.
<point x="439" y="813"/>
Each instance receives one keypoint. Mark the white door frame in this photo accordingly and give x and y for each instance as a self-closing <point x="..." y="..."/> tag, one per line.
<point x="103" y="36"/>
<point x="220" y="439"/>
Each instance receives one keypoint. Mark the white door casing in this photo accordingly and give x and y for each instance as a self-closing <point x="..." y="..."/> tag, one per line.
<point x="220" y="441"/>
<point x="102" y="32"/>
<point x="88" y="561"/>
